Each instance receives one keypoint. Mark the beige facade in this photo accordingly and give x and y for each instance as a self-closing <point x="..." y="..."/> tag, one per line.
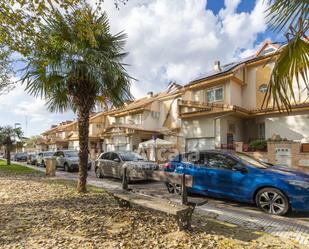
<point x="214" y="111"/>
<point x="225" y="106"/>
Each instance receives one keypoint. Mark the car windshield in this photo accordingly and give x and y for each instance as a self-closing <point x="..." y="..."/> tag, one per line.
<point x="71" y="154"/>
<point x="131" y="156"/>
<point x="48" y="153"/>
<point x="252" y="161"/>
<point x="21" y="154"/>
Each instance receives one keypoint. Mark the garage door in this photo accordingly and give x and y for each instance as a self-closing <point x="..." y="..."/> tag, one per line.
<point x="200" y="144"/>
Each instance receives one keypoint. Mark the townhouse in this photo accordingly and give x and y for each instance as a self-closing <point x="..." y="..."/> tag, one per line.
<point x="224" y="106"/>
<point x="218" y="109"/>
<point x="139" y="121"/>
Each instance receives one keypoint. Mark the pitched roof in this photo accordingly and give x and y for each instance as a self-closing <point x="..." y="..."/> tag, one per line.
<point x="141" y="103"/>
<point x="230" y="67"/>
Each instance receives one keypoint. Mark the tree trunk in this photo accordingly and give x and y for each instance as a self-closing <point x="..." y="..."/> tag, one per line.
<point x="8" y="155"/>
<point x="83" y="130"/>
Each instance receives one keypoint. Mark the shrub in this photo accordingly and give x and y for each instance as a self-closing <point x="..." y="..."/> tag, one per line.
<point x="258" y="144"/>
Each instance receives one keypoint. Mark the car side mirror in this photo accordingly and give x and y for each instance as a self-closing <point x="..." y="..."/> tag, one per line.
<point x="117" y="160"/>
<point x="240" y="168"/>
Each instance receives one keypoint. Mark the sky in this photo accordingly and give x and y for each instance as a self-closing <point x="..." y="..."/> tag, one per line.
<point x="168" y="40"/>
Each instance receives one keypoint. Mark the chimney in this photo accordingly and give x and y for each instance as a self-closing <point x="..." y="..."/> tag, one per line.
<point x="149" y="95"/>
<point x="217" y="66"/>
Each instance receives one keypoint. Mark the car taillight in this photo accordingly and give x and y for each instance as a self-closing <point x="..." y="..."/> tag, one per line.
<point x="167" y="166"/>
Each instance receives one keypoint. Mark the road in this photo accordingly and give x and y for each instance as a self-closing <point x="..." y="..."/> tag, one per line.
<point x="295" y="226"/>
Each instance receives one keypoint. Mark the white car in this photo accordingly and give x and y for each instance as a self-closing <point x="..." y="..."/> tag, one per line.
<point x="112" y="163"/>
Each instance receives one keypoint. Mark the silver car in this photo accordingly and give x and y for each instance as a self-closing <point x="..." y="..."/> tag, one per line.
<point x="42" y="156"/>
<point x="111" y="164"/>
<point x="68" y="160"/>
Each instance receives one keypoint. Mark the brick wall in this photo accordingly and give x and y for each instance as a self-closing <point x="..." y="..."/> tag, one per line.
<point x="299" y="160"/>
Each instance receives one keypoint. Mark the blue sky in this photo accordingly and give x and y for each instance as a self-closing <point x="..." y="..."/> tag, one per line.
<point x="167" y="40"/>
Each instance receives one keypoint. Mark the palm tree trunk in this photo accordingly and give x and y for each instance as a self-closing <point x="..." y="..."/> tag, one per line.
<point x="8" y="155"/>
<point x="83" y="130"/>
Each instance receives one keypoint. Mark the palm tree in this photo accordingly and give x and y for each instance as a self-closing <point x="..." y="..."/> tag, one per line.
<point x="77" y="61"/>
<point x="8" y="136"/>
<point x="291" y="18"/>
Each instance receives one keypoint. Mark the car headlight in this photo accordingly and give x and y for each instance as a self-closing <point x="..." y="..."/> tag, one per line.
<point x="297" y="183"/>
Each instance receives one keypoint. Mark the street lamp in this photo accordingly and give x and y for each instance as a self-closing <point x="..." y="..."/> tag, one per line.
<point x="15" y="126"/>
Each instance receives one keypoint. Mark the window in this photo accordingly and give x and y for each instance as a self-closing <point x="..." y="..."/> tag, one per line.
<point x="252" y="161"/>
<point x="192" y="157"/>
<point x="263" y="88"/>
<point x="119" y="120"/>
<point x="221" y="161"/>
<point x="114" y="156"/>
<point x="215" y="94"/>
<point x="137" y="118"/>
<point x="131" y="156"/>
<point x="155" y="115"/>
<point x="106" y="156"/>
<point x="261" y="130"/>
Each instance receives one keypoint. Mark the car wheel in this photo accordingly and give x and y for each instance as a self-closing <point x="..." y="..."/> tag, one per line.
<point x="66" y="167"/>
<point x="98" y="173"/>
<point x="272" y="201"/>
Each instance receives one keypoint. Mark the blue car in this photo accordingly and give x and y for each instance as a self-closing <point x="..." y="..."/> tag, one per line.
<point x="234" y="175"/>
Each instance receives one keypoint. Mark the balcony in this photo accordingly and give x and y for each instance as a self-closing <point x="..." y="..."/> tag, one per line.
<point x="189" y="108"/>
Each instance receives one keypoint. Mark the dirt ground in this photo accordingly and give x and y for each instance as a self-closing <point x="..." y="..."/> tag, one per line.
<point x="39" y="213"/>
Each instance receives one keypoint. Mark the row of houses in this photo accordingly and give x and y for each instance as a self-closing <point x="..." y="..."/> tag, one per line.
<point x="215" y="110"/>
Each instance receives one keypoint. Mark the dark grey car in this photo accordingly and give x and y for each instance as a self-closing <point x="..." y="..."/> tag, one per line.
<point x="111" y="164"/>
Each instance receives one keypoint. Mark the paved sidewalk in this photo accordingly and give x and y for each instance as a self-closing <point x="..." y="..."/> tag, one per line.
<point x="294" y="227"/>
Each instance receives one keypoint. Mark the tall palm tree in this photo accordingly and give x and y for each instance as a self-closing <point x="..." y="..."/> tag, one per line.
<point x="8" y="136"/>
<point x="78" y="60"/>
<point x="291" y="18"/>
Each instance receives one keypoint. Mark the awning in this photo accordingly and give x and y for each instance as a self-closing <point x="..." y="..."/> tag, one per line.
<point x="159" y="143"/>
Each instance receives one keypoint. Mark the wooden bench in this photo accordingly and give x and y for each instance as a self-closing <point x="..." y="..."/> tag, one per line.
<point x="181" y="211"/>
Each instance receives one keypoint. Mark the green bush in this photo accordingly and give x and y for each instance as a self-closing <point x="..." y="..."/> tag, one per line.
<point x="258" y="144"/>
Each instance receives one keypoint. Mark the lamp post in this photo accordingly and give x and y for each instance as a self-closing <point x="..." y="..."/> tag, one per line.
<point x="15" y="126"/>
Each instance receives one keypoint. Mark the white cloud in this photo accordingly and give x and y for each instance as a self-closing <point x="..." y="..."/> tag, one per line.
<point x="17" y="106"/>
<point x="168" y="40"/>
<point x="179" y="39"/>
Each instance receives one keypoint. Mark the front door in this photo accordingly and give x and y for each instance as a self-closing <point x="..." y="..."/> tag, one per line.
<point x="230" y="139"/>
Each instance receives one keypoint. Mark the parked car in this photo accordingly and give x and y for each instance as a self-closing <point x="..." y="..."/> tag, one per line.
<point x="42" y="156"/>
<point x="20" y="157"/>
<point x="68" y="160"/>
<point x="238" y="176"/>
<point x="111" y="164"/>
<point x="32" y="158"/>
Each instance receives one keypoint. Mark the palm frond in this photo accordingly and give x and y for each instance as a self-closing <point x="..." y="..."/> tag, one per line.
<point x="290" y="75"/>
<point x="283" y="14"/>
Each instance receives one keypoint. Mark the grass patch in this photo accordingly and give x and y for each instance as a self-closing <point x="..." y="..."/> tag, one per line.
<point x="15" y="169"/>
<point x="73" y="184"/>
